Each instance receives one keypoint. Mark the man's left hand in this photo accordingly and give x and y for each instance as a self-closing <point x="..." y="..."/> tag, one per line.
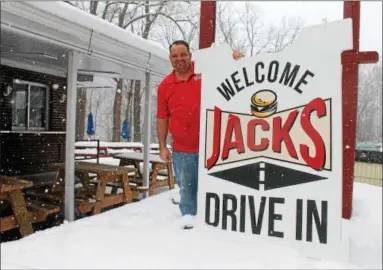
<point x="237" y="55"/>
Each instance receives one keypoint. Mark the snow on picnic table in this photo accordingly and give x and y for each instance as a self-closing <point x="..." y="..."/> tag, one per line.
<point x="147" y="235"/>
<point x="115" y="144"/>
<point x="89" y="147"/>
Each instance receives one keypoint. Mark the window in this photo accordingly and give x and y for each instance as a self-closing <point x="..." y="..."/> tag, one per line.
<point x="29" y="106"/>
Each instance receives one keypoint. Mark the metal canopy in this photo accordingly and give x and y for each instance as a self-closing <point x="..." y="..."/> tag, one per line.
<point x="41" y="33"/>
<point x="27" y="52"/>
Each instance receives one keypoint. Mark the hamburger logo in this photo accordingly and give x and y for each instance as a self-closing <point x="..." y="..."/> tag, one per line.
<point x="264" y="103"/>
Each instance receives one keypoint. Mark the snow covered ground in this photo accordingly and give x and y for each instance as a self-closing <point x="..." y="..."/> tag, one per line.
<point x="147" y="235"/>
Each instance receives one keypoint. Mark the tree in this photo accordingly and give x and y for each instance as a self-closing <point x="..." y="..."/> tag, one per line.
<point x="183" y="24"/>
<point x="253" y="28"/>
<point x="228" y="26"/>
<point x="241" y="27"/>
<point x="284" y="35"/>
<point x="117" y="111"/>
<point x="80" y="113"/>
<point x="128" y="106"/>
<point x="369" y="115"/>
<point x="99" y="103"/>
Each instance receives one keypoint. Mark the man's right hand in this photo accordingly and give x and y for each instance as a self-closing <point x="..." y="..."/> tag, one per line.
<point x="165" y="154"/>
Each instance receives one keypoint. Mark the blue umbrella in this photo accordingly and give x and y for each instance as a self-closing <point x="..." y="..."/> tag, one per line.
<point x="90" y="127"/>
<point x="125" y="132"/>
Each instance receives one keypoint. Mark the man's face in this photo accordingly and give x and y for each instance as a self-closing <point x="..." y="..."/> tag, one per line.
<point x="180" y="58"/>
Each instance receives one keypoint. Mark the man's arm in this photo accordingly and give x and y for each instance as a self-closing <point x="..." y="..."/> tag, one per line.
<point x="162" y="131"/>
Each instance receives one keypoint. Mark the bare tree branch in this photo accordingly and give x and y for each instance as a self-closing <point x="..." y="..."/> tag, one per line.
<point x="69" y="2"/>
<point x="285" y="34"/>
<point x="143" y="16"/>
<point x="93" y="7"/>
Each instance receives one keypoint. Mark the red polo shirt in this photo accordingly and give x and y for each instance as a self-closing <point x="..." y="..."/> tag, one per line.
<point x="180" y="102"/>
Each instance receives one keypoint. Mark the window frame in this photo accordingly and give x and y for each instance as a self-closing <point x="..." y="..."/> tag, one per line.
<point x="47" y="101"/>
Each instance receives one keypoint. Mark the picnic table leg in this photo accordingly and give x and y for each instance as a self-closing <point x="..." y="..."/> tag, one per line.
<point x="58" y="183"/>
<point x="124" y="162"/>
<point x="153" y="183"/>
<point x="136" y="165"/>
<point x="85" y="180"/>
<point x="171" y="180"/>
<point x="126" y="188"/>
<point x="20" y="212"/>
<point x="114" y="190"/>
<point x="100" y="194"/>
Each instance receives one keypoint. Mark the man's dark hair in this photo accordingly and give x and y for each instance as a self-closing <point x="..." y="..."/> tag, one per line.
<point x="180" y="42"/>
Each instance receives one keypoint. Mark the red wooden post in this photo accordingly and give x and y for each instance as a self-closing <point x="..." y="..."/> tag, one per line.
<point x="350" y="61"/>
<point x="207" y="24"/>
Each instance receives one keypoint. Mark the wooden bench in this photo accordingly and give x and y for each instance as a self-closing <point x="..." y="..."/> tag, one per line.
<point x="25" y="212"/>
<point x="134" y="159"/>
<point x="92" y="196"/>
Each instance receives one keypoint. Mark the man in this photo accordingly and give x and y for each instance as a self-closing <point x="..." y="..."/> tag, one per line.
<point x="178" y="109"/>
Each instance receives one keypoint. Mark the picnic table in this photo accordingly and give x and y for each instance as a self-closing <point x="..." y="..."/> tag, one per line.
<point x="25" y="211"/>
<point x="91" y="197"/>
<point x="10" y="189"/>
<point x="135" y="158"/>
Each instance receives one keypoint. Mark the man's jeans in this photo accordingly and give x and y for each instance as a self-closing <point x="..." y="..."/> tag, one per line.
<point x="186" y="173"/>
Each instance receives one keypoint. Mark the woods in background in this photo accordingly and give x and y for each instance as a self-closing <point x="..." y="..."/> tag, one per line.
<point x="239" y="24"/>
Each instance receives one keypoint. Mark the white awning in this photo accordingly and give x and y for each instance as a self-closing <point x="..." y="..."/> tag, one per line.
<point x="40" y="34"/>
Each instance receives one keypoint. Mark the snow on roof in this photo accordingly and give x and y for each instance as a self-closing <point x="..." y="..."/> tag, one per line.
<point x="65" y="26"/>
<point x="83" y="18"/>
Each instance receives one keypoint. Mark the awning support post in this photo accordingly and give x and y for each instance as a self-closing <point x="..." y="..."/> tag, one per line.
<point x="147" y="127"/>
<point x="70" y="134"/>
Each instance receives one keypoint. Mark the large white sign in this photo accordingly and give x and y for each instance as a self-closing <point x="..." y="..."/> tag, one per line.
<point x="270" y="161"/>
